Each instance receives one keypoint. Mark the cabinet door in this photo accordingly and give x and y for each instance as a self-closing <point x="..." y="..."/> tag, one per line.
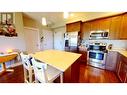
<point x="83" y="58"/>
<point x="86" y="28"/>
<point x="73" y="49"/>
<point x="123" y="31"/>
<point x="105" y="24"/>
<point x="122" y="72"/>
<point x="115" y="27"/>
<point x="71" y="27"/>
<point x="101" y="24"/>
<point x="95" y="25"/>
<point x="111" y="61"/>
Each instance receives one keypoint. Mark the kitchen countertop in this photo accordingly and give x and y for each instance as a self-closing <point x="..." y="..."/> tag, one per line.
<point x="59" y="59"/>
<point x="121" y="51"/>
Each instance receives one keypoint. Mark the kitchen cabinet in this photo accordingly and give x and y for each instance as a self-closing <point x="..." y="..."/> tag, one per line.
<point x="123" y="30"/>
<point x="71" y="49"/>
<point x="85" y="30"/>
<point x="95" y="25"/>
<point x="75" y="26"/>
<point x="83" y="58"/>
<point x="111" y="60"/>
<point x="122" y="69"/>
<point x="101" y="24"/>
<point x="105" y="24"/>
<point x="115" y="27"/>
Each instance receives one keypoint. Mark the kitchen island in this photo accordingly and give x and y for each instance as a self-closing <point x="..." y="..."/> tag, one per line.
<point x="66" y="62"/>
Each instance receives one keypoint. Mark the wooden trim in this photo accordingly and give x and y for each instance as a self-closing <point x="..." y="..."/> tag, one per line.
<point x="74" y="22"/>
<point x="105" y="17"/>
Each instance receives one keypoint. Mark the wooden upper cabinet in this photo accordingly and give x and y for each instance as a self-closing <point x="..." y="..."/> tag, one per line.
<point x="71" y="27"/>
<point x="116" y="25"/>
<point x="123" y="30"/>
<point x="105" y="24"/>
<point x="95" y="25"/>
<point x="114" y="32"/>
<point x="85" y="30"/>
<point x="101" y="24"/>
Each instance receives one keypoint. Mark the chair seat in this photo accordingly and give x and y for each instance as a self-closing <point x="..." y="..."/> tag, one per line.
<point x="52" y="74"/>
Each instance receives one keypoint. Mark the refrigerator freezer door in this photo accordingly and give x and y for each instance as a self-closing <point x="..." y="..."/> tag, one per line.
<point x="73" y="38"/>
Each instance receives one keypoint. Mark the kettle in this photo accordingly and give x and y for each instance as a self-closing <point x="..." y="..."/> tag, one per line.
<point x="110" y="46"/>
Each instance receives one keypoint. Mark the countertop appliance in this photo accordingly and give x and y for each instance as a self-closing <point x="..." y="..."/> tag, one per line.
<point x="95" y="35"/>
<point x="71" y="41"/>
<point x="97" y="55"/>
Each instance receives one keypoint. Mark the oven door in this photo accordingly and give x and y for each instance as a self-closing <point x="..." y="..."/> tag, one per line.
<point x="97" y="59"/>
<point x="97" y="56"/>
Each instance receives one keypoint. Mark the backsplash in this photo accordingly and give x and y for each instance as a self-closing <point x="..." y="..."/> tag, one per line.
<point x="122" y="44"/>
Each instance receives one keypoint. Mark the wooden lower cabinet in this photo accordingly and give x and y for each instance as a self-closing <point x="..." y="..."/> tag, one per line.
<point x="72" y="49"/>
<point x="117" y="63"/>
<point x="71" y="75"/>
<point x="83" y="58"/>
<point x="122" y="69"/>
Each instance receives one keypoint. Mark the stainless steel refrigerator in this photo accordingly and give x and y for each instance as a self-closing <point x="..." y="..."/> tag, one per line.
<point x="71" y="41"/>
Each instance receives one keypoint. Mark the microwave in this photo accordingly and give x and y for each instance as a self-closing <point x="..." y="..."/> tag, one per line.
<point x="94" y="35"/>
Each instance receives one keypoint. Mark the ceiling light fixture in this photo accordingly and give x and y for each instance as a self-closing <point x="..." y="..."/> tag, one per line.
<point x="71" y="14"/>
<point x="66" y="15"/>
<point x="44" y="21"/>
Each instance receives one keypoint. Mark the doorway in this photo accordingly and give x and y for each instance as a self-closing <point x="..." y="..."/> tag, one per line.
<point x="32" y="39"/>
<point x="47" y="42"/>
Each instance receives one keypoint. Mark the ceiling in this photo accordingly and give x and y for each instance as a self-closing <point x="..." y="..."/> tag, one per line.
<point x="55" y="19"/>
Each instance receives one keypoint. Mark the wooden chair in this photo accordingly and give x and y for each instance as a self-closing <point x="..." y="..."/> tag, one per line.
<point x="45" y="73"/>
<point x="28" y="68"/>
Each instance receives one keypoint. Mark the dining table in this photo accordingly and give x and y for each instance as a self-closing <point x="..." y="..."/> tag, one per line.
<point x="6" y="57"/>
<point x="67" y="62"/>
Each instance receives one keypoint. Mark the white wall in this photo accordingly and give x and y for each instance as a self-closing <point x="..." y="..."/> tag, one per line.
<point x="14" y="42"/>
<point x="59" y="38"/>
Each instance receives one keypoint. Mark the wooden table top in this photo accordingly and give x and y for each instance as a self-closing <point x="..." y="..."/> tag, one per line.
<point x="7" y="57"/>
<point x="59" y="59"/>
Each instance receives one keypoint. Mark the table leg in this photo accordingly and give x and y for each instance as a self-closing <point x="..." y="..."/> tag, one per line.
<point x="4" y="69"/>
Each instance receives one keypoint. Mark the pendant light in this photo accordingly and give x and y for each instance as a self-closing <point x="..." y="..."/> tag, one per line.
<point x="44" y="21"/>
<point x="66" y="15"/>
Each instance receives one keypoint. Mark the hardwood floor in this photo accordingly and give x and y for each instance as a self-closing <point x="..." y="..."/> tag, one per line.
<point x="13" y="77"/>
<point x="88" y="74"/>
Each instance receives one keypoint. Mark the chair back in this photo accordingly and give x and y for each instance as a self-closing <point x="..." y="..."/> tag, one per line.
<point x="25" y="60"/>
<point x="40" y="70"/>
